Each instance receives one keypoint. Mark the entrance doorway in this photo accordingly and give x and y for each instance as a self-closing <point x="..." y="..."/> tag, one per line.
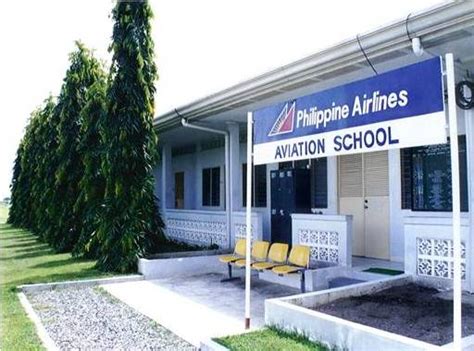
<point x="289" y="194"/>
<point x="364" y="194"/>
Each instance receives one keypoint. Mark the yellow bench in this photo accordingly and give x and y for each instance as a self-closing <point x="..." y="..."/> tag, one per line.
<point x="239" y="253"/>
<point x="259" y="253"/>
<point x="276" y="257"/>
<point x="298" y="262"/>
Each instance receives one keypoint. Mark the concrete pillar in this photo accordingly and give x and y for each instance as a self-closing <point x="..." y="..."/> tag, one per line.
<point x="396" y="229"/>
<point x="469" y="123"/>
<point x="332" y="174"/>
<point x="235" y="170"/>
<point x="198" y="178"/>
<point x="166" y="179"/>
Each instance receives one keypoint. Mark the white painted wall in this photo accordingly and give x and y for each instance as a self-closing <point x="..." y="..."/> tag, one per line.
<point x="192" y="165"/>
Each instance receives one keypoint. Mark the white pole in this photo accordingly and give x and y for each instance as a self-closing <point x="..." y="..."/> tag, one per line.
<point x="248" y="218"/>
<point x="228" y="196"/>
<point x="453" y="135"/>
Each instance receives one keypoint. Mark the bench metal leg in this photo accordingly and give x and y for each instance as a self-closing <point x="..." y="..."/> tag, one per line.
<point x="229" y="267"/>
<point x="303" y="285"/>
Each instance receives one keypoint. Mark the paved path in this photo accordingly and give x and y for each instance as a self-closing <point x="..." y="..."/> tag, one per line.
<point x="198" y="307"/>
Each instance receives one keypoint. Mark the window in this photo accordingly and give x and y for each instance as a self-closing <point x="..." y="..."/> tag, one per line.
<point x="211" y="181"/>
<point x="285" y="165"/>
<point x="259" y="183"/>
<point x="300" y="164"/>
<point x="426" y="177"/>
<point x="319" y="183"/>
<point x="179" y="190"/>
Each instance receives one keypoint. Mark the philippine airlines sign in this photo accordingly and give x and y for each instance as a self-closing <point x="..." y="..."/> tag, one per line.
<point x="397" y="109"/>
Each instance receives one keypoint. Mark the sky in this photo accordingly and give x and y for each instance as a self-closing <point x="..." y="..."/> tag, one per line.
<point x="201" y="46"/>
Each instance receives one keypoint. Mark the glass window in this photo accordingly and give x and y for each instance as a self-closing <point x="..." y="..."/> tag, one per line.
<point x="319" y="183"/>
<point x="179" y="190"/>
<point x="259" y="183"/>
<point x="426" y="177"/>
<point x="211" y="186"/>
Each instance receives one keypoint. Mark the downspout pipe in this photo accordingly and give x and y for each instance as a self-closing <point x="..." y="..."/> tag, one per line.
<point x="228" y="200"/>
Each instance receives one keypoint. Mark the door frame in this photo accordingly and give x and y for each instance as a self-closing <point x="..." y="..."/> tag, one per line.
<point x="363" y="203"/>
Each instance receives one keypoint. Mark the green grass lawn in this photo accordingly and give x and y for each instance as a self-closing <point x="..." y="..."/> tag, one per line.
<point x="269" y="339"/>
<point x="24" y="260"/>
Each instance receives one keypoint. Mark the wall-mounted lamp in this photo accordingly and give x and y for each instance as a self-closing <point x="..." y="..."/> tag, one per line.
<point x="417" y="46"/>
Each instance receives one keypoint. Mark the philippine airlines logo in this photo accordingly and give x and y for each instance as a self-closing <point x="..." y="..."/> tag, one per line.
<point x="284" y="122"/>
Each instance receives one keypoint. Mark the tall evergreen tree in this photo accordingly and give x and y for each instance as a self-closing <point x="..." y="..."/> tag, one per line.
<point x="16" y="189"/>
<point x="130" y="225"/>
<point x="45" y="167"/>
<point x="27" y="177"/>
<point x="83" y="72"/>
<point x="92" y="184"/>
<point x="30" y="170"/>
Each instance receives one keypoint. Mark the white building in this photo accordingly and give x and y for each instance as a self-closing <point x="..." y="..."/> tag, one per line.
<point x="399" y="200"/>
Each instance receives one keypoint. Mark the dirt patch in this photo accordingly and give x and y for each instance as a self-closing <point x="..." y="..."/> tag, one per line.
<point x="410" y="310"/>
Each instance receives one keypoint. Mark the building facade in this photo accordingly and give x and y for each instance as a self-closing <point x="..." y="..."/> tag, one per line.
<point x="390" y="205"/>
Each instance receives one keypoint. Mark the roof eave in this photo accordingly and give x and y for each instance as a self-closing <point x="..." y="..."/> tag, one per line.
<point x="432" y="22"/>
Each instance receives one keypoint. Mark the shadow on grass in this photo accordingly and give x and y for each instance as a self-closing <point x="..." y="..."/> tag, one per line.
<point x="37" y="246"/>
<point x="35" y="253"/>
<point x="60" y="263"/>
<point x="29" y="243"/>
<point x="19" y="239"/>
<point x="9" y="227"/>
<point x="8" y="234"/>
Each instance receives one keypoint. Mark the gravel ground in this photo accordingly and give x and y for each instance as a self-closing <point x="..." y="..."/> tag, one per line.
<point x="91" y="319"/>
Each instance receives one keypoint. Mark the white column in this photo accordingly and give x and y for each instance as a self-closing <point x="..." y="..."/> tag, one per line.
<point x="198" y="179"/>
<point x="166" y="181"/>
<point x="332" y="174"/>
<point x="248" y="221"/>
<point x="397" y="234"/>
<point x="453" y="133"/>
<point x="234" y="171"/>
<point x="469" y="122"/>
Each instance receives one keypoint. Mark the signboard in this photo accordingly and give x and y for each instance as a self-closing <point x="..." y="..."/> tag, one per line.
<point x="397" y="109"/>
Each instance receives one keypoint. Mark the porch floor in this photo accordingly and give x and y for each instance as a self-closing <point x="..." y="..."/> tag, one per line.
<point x="361" y="263"/>
<point x="199" y="307"/>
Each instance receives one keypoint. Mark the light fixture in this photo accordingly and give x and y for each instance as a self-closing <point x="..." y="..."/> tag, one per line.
<point x="417" y="46"/>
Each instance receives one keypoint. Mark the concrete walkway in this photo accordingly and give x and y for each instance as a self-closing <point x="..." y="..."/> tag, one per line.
<point x="198" y="307"/>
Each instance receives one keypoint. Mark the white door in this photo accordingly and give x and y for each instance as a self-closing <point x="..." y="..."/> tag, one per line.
<point x="363" y="193"/>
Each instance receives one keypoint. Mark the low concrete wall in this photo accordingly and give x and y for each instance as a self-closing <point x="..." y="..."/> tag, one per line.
<point x="211" y="345"/>
<point x="201" y="227"/>
<point x="329" y="236"/>
<point x="293" y="313"/>
<point x="189" y="254"/>
<point x="79" y="283"/>
<point x="181" y="266"/>
<point x="315" y="279"/>
<point x="319" y="278"/>
<point x="429" y="252"/>
<point x="46" y="340"/>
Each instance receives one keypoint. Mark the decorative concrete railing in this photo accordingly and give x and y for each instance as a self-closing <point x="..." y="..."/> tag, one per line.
<point x="209" y="227"/>
<point x="429" y="250"/>
<point x="329" y="236"/>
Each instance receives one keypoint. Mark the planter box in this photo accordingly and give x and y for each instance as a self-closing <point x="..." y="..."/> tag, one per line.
<point x="180" y="266"/>
<point x="294" y="313"/>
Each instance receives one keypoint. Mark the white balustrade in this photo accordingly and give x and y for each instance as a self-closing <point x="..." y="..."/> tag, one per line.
<point x="209" y="227"/>
<point x="329" y="236"/>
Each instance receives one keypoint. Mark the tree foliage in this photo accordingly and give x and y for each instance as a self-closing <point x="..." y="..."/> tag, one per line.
<point x="83" y="72"/>
<point x="82" y="179"/>
<point x="92" y="183"/>
<point x="130" y="225"/>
